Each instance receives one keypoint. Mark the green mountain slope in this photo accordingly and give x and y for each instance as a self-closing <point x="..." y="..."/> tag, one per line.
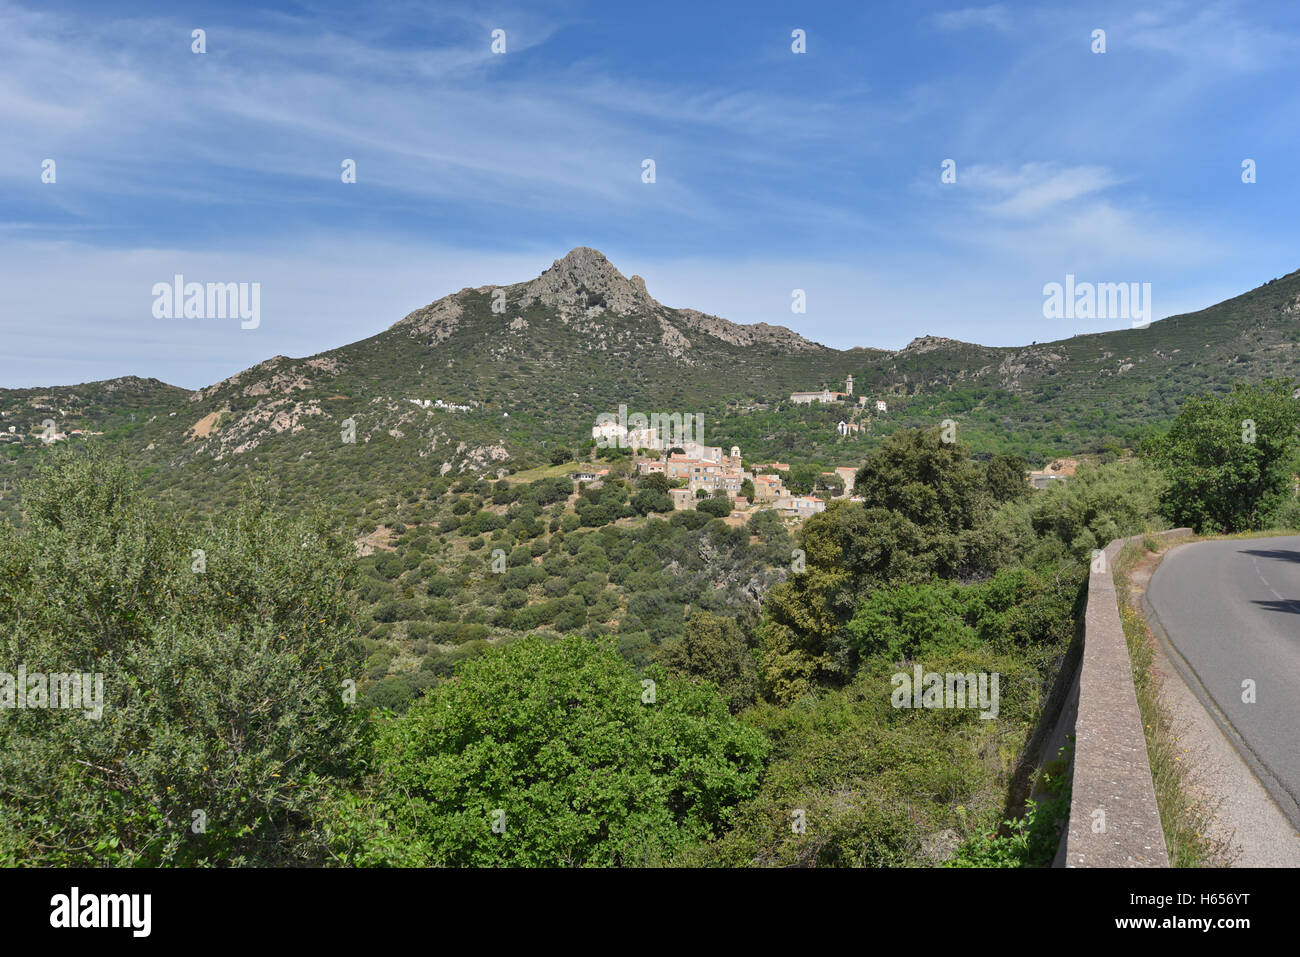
<point x="535" y="362"/>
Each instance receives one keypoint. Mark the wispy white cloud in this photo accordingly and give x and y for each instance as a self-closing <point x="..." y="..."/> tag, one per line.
<point x="1032" y="189"/>
<point x="445" y="123"/>
<point x="478" y="169"/>
<point x="1213" y="34"/>
<point x="995" y="16"/>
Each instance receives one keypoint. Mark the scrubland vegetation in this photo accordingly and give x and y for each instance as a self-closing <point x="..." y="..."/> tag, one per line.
<point x="636" y="687"/>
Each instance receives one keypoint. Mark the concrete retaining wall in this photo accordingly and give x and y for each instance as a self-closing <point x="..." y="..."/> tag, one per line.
<point x="1114" y="820"/>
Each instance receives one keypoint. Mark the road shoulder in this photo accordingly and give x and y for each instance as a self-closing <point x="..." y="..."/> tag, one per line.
<point x="1245" y="827"/>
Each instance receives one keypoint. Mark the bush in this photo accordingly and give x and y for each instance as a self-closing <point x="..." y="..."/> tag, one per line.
<point x="714" y="649"/>
<point x="388" y="564"/>
<point x="716" y="507"/>
<point x="223" y="688"/>
<point x="386" y="611"/>
<point x="514" y="598"/>
<point x="522" y="576"/>
<point x="580" y="772"/>
<point x="592" y="558"/>
<point x="1229" y="460"/>
<point x="1099" y="504"/>
<point x="689" y="519"/>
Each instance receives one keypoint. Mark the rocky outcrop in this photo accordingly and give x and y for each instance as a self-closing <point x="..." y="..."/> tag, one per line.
<point x="760" y="333"/>
<point x="436" y="321"/>
<point x="585" y="278"/>
<point x="584" y="286"/>
<point x="928" y="344"/>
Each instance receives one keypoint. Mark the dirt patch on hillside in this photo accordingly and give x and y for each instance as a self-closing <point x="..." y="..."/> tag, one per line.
<point x="204" y="427"/>
<point x="382" y="537"/>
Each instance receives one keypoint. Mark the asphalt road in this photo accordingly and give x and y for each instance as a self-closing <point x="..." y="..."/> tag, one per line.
<point x="1231" y="611"/>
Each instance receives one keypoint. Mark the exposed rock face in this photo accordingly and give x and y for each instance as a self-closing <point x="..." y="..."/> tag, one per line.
<point x="758" y="334"/>
<point x="674" y="342"/>
<point x="479" y="458"/>
<point x="127" y="383"/>
<point x="571" y="282"/>
<point x="927" y="344"/>
<point x="266" y="365"/>
<point x="1030" y="361"/>
<point x="583" y="286"/>
<point x="204" y="427"/>
<point x="436" y="321"/>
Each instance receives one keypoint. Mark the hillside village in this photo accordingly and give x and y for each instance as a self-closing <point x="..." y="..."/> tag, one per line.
<point x="408" y="581"/>
<point x="695" y="472"/>
<point x="699" y="472"/>
<point x="704" y="471"/>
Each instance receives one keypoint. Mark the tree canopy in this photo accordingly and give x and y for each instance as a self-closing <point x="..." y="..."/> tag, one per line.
<point x="224" y="652"/>
<point x="552" y="753"/>
<point x="1229" y="458"/>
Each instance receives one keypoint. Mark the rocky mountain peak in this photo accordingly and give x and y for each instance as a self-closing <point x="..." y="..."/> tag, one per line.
<point x="928" y="344"/>
<point x="585" y="278"/>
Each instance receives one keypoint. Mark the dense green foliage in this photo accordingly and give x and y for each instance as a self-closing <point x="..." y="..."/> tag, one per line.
<point x="714" y="649"/>
<point x="880" y="786"/>
<point x="926" y="512"/>
<point x="440" y="593"/>
<point x="553" y="753"/>
<point x="1031" y="840"/>
<point x="560" y="673"/>
<point x="225" y="719"/>
<point x="1098" y="504"/>
<point x="1230" y="459"/>
<point x="1019" y="610"/>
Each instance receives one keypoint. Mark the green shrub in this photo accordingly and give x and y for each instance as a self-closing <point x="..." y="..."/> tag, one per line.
<point x="552" y="742"/>
<point x="1229" y="460"/>
<point x="223" y="684"/>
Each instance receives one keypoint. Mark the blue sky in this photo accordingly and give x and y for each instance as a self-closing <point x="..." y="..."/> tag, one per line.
<point x="774" y="170"/>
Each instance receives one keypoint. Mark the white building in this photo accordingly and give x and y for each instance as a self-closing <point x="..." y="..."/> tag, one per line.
<point x="694" y="450"/>
<point x="808" y="398"/>
<point x="802" y="506"/>
<point x="825" y="395"/>
<point x="610" y="432"/>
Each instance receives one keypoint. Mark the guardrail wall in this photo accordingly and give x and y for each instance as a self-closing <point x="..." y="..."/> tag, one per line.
<point x="1114" y="819"/>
